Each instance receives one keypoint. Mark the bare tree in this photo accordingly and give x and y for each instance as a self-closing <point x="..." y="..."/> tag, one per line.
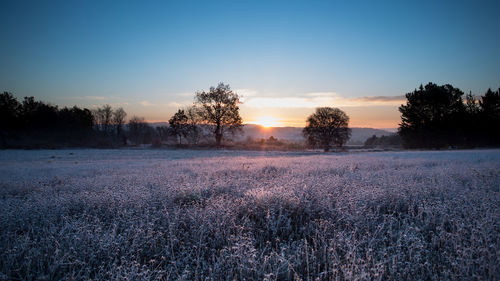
<point x="194" y="115"/>
<point x="107" y="115"/>
<point x="219" y="108"/>
<point x="97" y="114"/>
<point x="119" y="119"/>
<point x="163" y="132"/>
<point x="103" y="118"/>
<point x="139" y="130"/>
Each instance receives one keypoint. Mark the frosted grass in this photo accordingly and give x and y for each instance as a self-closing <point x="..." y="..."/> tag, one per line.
<point x="224" y="215"/>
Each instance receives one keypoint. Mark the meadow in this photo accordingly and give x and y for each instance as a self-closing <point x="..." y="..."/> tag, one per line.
<point x="249" y="215"/>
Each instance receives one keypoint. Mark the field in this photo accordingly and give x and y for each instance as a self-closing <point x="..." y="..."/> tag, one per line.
<point x="224" y="215"/>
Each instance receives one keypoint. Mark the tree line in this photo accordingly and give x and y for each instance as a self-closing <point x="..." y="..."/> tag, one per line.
<point x="217" y="112"/>
<point x="433" y="117"/>
<point x="439" y="117"/>
<point x="32" y="124"/>
<point x="387" y="141"/>
<point x="22" y="123"/>
<point x="214" y="114"/>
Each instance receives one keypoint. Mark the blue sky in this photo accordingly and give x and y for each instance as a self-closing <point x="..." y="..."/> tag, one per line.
<point x="151" y="57"/>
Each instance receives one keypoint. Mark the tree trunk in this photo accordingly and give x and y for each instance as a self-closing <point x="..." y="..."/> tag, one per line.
<point x="218" y="138"/>
<point x="218" y="135"/>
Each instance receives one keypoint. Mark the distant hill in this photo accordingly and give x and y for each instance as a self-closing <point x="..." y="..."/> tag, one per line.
<point x="359" y="135"/>
<point x="294" y="134"/>
<point x="158" y="124"/>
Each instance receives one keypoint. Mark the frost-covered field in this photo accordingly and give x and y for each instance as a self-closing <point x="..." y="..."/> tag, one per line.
<point x="224" y="215"/>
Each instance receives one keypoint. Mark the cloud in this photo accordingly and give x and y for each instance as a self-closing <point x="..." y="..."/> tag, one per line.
<point x="119" y="104"/>
<point x="322" y="94"/>
<point x="284" y="102"/>
<point x="246" y="92"/>
<point x="90" y="98"/>
<point x="186" y="94"/>
<point x="145" y="103"/>
<point x="318" y="99"/>
<point x="176" y="104"/>
<point x="383" y="99"/>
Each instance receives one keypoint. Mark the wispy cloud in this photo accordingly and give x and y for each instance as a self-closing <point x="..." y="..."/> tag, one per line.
<point x="177" y="104"/>
<point x="96" y="101"/>
<point x="284" y="102"/>
<point x="90" y="98"/>
<point x="145" y="103"/>
<point x="118" y="104"/>
<point x="382" y="99"/>
<point x="317" y="99"/>
<point x="163" y="103"/>
<point x="246" y="93"/>
<point x="185" y="94"/>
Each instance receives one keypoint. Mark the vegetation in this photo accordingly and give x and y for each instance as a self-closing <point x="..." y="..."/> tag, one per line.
<point x="103" y="118"/>
<point x="219" y="109"/>
<point x="119" y="116"/>
<point x="392" y="141"/>
<point x="437" y="117"/>
<point x="34" y="122"/>
<point x="139" y="131"/>
<point x="225" y="215"/>
<point x="433" y="117"/>
<point x="271" y="143"/>
<point x="327" y="127"/>
<point x="179" y="126"/>
<point x="194" y="119"/>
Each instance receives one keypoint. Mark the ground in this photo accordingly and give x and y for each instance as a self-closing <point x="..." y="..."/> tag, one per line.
<point x="243" y="215"/>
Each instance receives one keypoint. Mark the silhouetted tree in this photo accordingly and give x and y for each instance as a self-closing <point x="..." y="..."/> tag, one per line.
<point x="76" y="119"/>
<point x="490" y="103"/>
<point x="471" y="124"/>
<point x="9" y="112"/>
<point x="119" y="119"/>
<point x="107" y="117"/>
<point x="103" y="118"/>
<point x="432" y="117"/>
<point x="179" y="126"/>
<point x="194" y="119"/>
<point x="98" y="118"/>
<point x="219" y="108"/>
<point x="371" y="141"/>
<point x="38" y="116"/>
<point x="393" y="140"/>
<point x="163" y="132"/>
<point x="327" y="127"/>
<point x="140" y="132"/>
<point x="489" y="116"/>
<point x="471" y="104"/>
<point x="34" y="123"/>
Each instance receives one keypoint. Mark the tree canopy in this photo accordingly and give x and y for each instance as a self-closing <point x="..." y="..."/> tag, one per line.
<point x="179" y="125"/>
<point x="437" y="116"/>
<point x="327" y="127"/>
<point x="219" y="108"/>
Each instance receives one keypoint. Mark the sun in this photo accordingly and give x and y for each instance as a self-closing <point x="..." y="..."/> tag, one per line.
<point x="267" y="121"/>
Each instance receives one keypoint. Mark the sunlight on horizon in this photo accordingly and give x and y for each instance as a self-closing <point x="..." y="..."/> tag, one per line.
<point x="267" y="122"/>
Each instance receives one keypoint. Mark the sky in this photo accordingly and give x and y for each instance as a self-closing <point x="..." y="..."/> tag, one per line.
<point x="284" y="58"/>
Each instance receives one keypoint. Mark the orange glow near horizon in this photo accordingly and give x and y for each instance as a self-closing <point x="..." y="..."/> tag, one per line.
<point x="267" y="122"/>
<point x="377" y="117"/>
